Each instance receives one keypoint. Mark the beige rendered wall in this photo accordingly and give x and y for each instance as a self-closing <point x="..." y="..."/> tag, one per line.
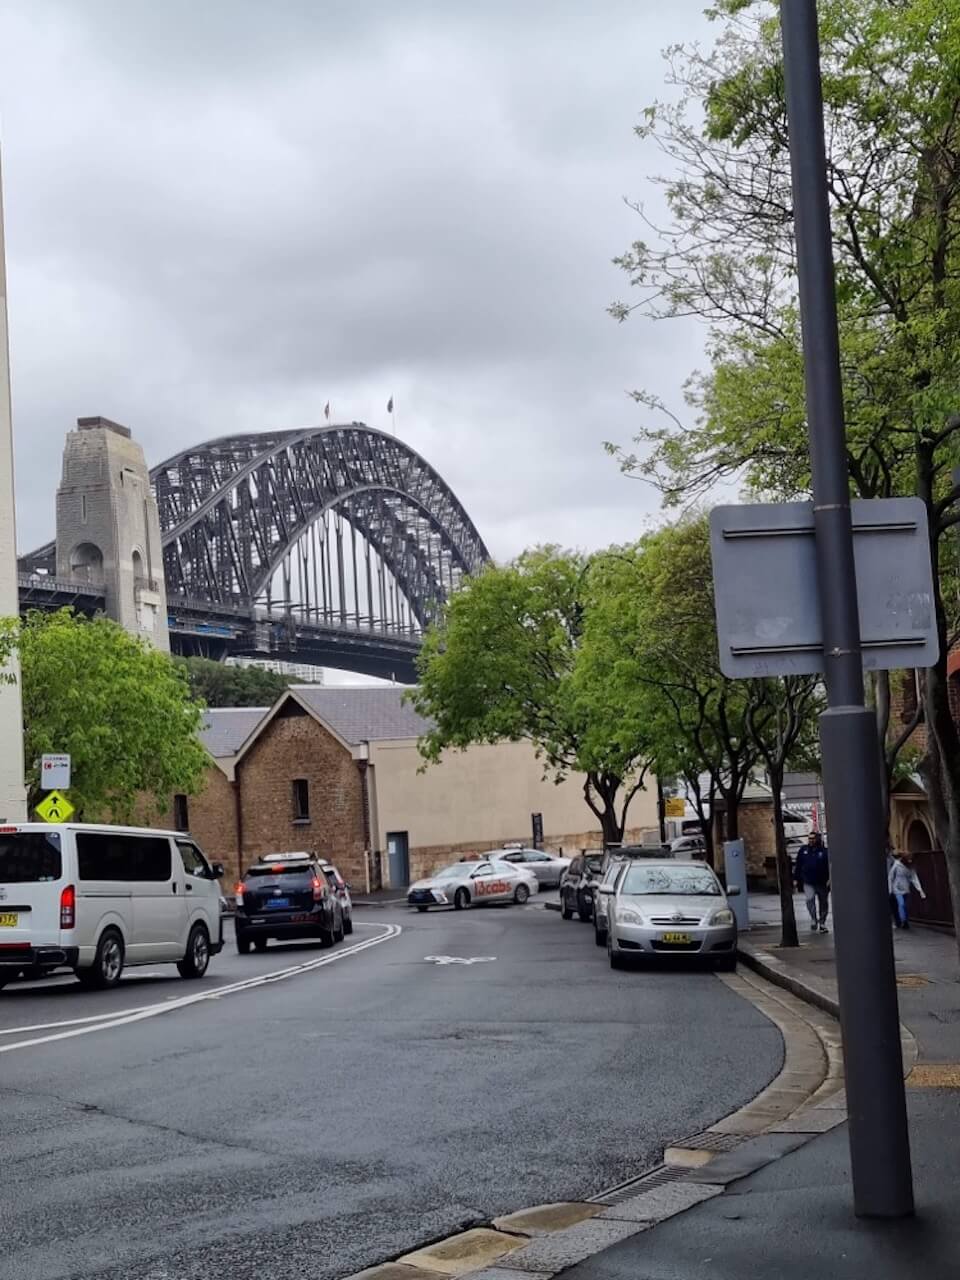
<point x="481" y="797"/>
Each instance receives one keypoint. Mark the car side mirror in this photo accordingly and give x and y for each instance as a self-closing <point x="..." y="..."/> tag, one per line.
<point x="733" y="891"/>
<point x="217" y="869"/>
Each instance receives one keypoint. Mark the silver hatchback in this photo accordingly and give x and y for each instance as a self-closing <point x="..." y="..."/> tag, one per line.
<point x="669" y="908"/>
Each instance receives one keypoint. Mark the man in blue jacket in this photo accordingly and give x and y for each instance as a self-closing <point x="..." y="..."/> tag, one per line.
<point x="812" y="874"/>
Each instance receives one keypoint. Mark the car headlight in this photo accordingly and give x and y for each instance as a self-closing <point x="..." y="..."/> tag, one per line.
<point x="629" y="916"/>
<point x="724" y="916"/>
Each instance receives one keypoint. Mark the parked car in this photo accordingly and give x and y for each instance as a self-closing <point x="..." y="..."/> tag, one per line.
<point x="465" y="884"/>
<point x="670" y="908"/>
<point x="613" y="862"/>
<point x="340" y="887"/>
<point x="286" y="896"/>
<point x="578" y="884"/>
<point x="96" y="899"/>
<point x="547" y="867"/>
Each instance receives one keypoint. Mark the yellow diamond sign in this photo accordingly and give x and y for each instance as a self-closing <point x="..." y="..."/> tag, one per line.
<point x="55" y="807"/>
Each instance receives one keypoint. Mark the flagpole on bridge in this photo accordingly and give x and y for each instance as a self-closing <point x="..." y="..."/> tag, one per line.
<point x="13" y="799"/>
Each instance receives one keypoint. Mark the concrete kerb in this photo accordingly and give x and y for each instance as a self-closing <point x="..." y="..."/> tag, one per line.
<point x="805" y="1099"/>
<point x="774" y="970"/>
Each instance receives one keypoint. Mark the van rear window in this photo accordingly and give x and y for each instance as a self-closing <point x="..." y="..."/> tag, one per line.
<point x="29" y="857"/>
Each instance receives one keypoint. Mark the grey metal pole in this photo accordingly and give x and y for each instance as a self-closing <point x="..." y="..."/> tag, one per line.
<point x="866" y="979"/>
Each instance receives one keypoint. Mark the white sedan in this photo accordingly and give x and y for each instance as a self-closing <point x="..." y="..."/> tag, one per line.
<point x="466" y="884"/>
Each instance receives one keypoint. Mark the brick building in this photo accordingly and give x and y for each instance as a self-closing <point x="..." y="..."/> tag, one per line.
<point x="336" y="771"/>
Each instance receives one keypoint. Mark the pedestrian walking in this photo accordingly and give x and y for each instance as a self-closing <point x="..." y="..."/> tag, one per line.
<point x="812" y="874"/>
<point x="901" y="878"/>
<point x="891" y="896"/>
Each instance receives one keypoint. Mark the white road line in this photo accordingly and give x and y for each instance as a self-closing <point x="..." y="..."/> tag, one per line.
<point x="107" y="1021"/>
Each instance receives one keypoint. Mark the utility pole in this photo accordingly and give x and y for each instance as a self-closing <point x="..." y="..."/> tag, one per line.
<point x="13" y="800"/>
<point x="876" y="1101"/>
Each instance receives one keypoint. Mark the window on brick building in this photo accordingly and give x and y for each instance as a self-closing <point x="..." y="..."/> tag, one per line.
<point x="301" y="800"/>
<point x="181" y="814"/>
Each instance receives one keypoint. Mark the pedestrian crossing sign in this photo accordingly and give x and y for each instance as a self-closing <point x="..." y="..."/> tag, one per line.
<point x="55" y="807"/>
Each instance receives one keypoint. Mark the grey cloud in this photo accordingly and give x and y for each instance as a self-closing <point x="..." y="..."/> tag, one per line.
<point x="221" y="215"/>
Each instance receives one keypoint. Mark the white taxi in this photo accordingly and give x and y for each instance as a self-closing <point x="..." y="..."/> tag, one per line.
<point x="465" y="884"/>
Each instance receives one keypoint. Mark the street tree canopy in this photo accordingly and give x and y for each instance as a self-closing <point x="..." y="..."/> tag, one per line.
<point x="121" y="709"/>
<point x="891" y="84"/>
<point x="509" y="662"/>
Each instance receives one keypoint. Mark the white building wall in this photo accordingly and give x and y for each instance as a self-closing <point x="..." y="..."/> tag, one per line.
<point x="13" y="804"/>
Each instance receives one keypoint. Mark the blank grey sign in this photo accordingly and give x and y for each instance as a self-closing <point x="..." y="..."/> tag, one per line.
<point x="765" y="587"/>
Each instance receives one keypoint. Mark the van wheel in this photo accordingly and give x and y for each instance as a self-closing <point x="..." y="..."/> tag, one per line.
<point x="107" y="963"/>
<point x="348" y="924"/>
<point x="194" y="963"/>
<point x="243" y="944"/>
<point x="260" y="944"/>
<point x="565" y="911"/>
<point x="327" y="937"/>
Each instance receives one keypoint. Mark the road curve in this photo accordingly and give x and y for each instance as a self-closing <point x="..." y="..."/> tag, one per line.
<point x="269" y="1122"/>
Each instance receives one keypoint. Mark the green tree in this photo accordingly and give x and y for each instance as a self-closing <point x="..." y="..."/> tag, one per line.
<point x="891" y="77"/>
<point x="120" y="708"/>
<point x="219" y="684"/>
<point x="654" y="610"/>
<point x="507" y="663"/>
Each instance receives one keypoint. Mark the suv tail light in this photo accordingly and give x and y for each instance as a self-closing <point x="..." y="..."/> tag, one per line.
<point x="68" y="907"/>
<point x="318" y="888"/>
<point x="238" y="894"/>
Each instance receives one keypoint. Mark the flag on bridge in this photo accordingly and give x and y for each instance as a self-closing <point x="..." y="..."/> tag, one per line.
<point x="390" y="405"/>
<point x="326" y="410"/>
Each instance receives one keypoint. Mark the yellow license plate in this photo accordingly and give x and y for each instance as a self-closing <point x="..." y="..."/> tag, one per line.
<point x="8" y="919"/>
<point x="675" y="937"/>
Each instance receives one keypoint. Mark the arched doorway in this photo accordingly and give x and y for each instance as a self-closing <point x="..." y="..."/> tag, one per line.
<point x="918" y="837"/>
<point x="86" y="562"/>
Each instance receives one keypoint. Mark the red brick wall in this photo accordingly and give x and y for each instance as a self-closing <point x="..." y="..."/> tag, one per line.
<point x="212" y="822"/>
<point x="293" y="746"/>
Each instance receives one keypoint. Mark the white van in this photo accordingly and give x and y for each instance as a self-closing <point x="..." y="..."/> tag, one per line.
<point x="96" y="898"/>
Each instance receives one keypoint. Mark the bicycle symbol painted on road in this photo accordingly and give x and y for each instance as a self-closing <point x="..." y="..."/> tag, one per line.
<point x="459" y="959"/>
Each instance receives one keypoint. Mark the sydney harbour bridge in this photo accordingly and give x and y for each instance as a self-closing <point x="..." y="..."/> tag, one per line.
<point x="333" y="546"/>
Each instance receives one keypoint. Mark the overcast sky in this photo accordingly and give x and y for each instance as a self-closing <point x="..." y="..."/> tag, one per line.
<point x="223" y="213"/>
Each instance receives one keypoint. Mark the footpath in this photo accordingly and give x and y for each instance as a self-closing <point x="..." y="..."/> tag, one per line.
<point x="793" y="1218"/>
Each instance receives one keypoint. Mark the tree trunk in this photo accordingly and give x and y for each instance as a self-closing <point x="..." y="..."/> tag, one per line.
<point x="605" y="788"/>
<point x="941" y="727"/>
<point x="788" y="926"/>
<point x="881" y="687"/>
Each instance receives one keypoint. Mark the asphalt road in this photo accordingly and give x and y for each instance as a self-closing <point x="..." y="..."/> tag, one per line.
<point x="306" y="1113"/>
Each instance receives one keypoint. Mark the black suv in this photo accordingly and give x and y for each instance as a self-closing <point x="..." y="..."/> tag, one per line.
<point x="578" y="885"/>
<point x="286" y="896"/>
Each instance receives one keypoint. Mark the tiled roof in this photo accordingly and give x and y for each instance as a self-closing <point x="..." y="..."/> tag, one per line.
<point x="361" y="714"/>
<point x="226" y="729"/>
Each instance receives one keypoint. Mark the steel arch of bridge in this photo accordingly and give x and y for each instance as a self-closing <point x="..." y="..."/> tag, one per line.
<point x="234" y="510"/>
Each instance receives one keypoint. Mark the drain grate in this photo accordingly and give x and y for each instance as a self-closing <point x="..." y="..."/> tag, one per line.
<point x="711" y="1142"/>
<point x="636" y="1186"/>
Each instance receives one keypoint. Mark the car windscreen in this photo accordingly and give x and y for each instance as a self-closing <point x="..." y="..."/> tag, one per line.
<point x="458" y="870"/>
<point x="670" y="881"/>
<point x="29" y="857"/>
